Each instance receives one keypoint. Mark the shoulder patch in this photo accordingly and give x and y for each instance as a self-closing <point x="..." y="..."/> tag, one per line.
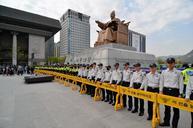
<point x="190" y="73"/>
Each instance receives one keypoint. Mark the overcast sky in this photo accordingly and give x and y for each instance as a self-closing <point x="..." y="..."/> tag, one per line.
<point x="167" y="24"/>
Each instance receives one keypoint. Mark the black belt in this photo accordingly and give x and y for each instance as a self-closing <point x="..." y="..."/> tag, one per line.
<point x="153" y="87"/>
<point x="170" y="88"/>
<point x="136" y="83"/>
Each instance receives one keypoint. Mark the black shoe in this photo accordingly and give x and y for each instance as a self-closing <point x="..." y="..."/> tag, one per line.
<point x="113" y="104"/>
<point x="106" y="100"/>
<point x="149" y="118"/>
<point x="110" y="102"/>
<point x="134" y="111"/>
<point x="102" y="99"/>
<point x="164" y="124"/>
<point x="141" y="114"/>
<point x="129" y="109"/>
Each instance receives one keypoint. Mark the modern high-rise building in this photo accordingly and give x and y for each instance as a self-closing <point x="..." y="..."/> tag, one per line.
<point x="137" y="40"/>
<point x="75" y="32"/>
<point x="57" y="49"/>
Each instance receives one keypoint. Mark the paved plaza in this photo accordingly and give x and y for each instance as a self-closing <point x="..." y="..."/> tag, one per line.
<point x="51" y="105"/>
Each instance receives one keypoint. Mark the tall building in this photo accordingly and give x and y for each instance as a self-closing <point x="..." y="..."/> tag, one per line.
<point x="75" y="33"/>
<point x="23" y="36"/>
<point x="137" y="41"/>
<point x="57" y="49"/>
<point x="49" y="48"/>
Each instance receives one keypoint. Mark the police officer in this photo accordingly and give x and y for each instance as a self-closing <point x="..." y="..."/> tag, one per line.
<point x="99" y="77"/>
<point x="116" y="79"/>
<point x="80" y="71"/>
<point x="93" y="75"/>
<point x="151" y="83"/>
<point x="186" y="74"/>
<point x="89" y="76"/>
<point x="135" y="83"/>
<point x="84" y="71"/>
<point x="189" y="92"/>
<point x="106" y="79"/>
<point x="100" y="72"/>
<point x="127" y="73"/>
<point x="171" y="83"/>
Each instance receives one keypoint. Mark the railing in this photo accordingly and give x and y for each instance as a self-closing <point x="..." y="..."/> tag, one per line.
<point x="156" y="98"/>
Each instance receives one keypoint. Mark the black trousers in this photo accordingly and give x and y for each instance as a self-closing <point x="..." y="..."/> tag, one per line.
<point x="141" y="109"/>
<point x="130" y="100"/>
<point x="171" y="92"/>
<point x="150" y="104"/>
<point x="191" y="98"/>
<point x="184" y="89"/>
<point x="114" y="93"/>
<point x="92" y="88"/>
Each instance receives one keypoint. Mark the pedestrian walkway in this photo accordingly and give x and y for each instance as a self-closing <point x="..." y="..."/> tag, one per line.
<point x="51" y="105"/>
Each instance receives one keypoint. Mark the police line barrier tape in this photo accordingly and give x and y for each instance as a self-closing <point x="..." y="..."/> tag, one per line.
<point x="120" y="90"/>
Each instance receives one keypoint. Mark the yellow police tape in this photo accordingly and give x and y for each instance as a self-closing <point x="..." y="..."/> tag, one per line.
<point x="175" y="102"/>
<point x="120" y="90"/>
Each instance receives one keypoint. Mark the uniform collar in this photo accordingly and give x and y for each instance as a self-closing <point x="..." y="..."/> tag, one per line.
<point x="127" y="69"/>
<point x="154" y="74"/>
<point x="138" y="71"/>
<point x="174" y="69"/>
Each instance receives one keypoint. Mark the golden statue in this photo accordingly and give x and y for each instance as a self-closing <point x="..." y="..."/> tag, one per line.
<point x="114" y="31"/>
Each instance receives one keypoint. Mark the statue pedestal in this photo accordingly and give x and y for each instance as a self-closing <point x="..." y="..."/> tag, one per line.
<point x="109" y="54"/>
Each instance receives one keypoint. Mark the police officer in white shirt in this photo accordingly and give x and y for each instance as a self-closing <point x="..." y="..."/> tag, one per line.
<point x="93" y="75"/>
<point x="135" y="83"/>
<point x="189" y="92"/>
<point x="106" y="79"/>
<point x="100" y="72"/>
<point x="127" y="74"/>
<point x="89" y="76"/>
<point x="84" y="71"/>
<point x="171" y="83"/>
<point x="99" y="77"/>
<point x="116" y="79"/>
<point x="151" y="83"/>
<point x="80" y="73"/>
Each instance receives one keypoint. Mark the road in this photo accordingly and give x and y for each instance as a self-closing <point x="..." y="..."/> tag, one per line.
<point x="51" y="105"/>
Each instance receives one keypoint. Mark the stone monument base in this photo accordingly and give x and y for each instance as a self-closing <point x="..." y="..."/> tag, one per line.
<point x="110" y="54"/>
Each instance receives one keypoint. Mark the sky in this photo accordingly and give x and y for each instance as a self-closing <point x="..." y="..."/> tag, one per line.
<point x="167" y="24"/>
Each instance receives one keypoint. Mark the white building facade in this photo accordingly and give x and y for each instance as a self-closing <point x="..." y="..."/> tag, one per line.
<point x="75" y="32"/>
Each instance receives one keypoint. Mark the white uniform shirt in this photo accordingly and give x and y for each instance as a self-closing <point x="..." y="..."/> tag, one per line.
<point x="80" y="72"/>
<point x="137" y="77"/>
<point x="171" y="79"/>
<point x="151" y="80"/>
<point x="89" y="74"/>
<point x="93" y="72"/>
<point x="99" y="74"/>
<point x="107" y="76"/>
<point x="189" y="87"/>
<point x="85" y="72"/>
<point x="127" y="75"/>
<point x="116" y="75"/>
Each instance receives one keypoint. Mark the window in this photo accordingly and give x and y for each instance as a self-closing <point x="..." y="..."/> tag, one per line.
<point x="80" y="16"/>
